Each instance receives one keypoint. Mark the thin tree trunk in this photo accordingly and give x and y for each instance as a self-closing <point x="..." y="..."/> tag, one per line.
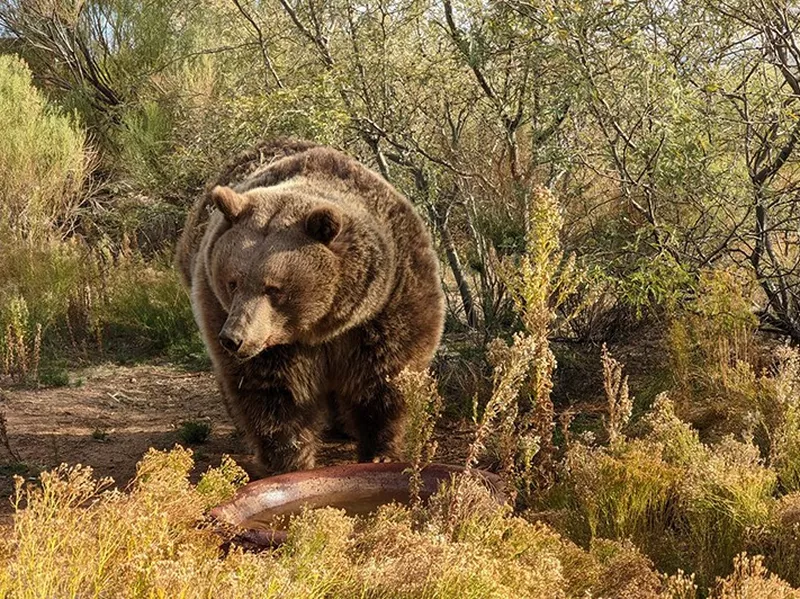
<point x="453" y="260"/>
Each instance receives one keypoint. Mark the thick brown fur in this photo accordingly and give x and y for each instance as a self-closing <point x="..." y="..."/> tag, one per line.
<point x="314" y="283"/>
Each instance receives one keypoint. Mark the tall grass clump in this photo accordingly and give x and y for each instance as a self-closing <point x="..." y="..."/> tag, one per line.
<point x="57" y="290"/>
<point x="781" y="417"/>
<point x="144" y="302"/>
<point x="779" y="541"/>
<point x="723" y="498"/>
<point x="48" y="276"/>
<point x="713" y="354"/>
<point x="540" y="281"/>
<point x="43" y="158"/>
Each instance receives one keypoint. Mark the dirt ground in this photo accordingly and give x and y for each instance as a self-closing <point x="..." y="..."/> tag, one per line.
<point x="111" y="415"/>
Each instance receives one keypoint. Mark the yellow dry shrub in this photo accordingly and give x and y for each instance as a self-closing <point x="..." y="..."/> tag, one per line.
<point x="751" y="580"/>
<point x="73" y="537"/>
<point x="779" y="541"/>
<point x="624" y="571"/>
<point x="490" y="555"/>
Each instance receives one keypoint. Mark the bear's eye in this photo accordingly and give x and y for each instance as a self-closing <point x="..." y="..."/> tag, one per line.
<point x="232" y="286"/>
<point x="273" y="292"/>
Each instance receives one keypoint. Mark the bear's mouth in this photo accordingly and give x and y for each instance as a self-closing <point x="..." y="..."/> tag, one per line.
<point x="249" y="355"/>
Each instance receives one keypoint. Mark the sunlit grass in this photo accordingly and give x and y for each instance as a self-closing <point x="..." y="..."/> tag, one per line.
<point x="73" y="537"/>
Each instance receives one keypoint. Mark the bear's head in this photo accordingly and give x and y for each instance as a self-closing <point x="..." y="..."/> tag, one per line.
<point x="274" y="268"/>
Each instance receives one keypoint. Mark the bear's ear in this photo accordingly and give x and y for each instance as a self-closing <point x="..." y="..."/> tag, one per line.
<point x="230" y="203"/>
<point x="323" y="224"/>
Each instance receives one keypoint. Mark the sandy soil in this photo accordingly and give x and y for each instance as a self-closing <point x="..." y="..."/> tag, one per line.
<point x="115" y="413"/>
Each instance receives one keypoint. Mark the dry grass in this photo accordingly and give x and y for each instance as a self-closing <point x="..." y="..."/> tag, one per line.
<point x="72" y="537"/>
<point x="424" y="406"/>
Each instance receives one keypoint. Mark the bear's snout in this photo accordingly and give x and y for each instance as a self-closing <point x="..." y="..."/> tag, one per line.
<point x="230" y="341"/>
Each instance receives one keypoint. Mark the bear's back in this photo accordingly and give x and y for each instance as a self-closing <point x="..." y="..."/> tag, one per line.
<point x="329" y="167"/>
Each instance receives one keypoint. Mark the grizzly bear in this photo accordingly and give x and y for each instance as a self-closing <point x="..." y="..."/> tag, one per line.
<point x="314" y="283"/>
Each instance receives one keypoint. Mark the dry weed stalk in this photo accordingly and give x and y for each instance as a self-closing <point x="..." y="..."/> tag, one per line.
<point x="4" y="439"/>
<point x="500" y="416"/>
<point x="20" y="361"/>
<point x="620" y="404"/>
<point x="36" y="354"/>
<point x="540" y="282"/>
<point x="511" y="364"/>
<point x="7" y="351"/>
<point x="16" y="359"/>
<point x="81" y="318"/>
<point x="751" y="580"/>
<point x="424" y="405"/>
<point x="565" y="421"/>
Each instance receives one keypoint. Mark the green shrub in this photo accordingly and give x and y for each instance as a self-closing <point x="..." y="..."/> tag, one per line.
<point x="43" y="159"/>
<point x="54" y="376"/>
<point x="194" y="432"/>
<point x="684" y="503"/>
<point x="82" y="297"/>
<point x="711" y="344"/>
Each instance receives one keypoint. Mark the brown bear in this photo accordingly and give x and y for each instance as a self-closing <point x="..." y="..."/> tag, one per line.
<point x="314" y="283"/>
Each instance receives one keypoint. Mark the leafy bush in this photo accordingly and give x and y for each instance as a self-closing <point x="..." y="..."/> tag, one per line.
<point x="194" y="432"/>
<point x="43" y="158"/>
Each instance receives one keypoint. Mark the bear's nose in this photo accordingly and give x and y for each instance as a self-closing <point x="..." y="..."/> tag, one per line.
<point x="230" y="342"/>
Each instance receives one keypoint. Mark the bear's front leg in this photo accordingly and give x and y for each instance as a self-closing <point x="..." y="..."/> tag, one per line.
<point x="380" y="417"/>
<point x="283" y="435"/>
<point x="286" y="449"/>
